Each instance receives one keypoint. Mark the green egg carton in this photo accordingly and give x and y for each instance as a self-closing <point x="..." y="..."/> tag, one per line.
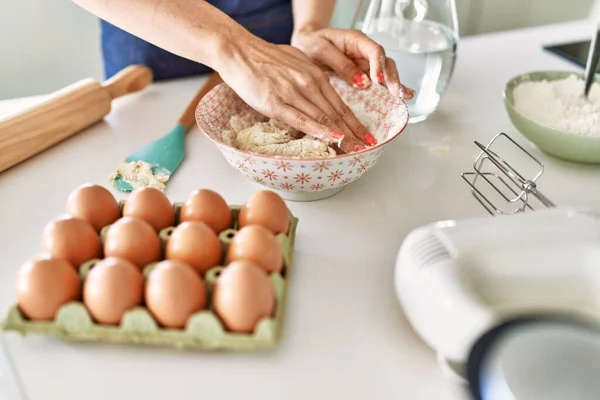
<point x="204" y="330"/>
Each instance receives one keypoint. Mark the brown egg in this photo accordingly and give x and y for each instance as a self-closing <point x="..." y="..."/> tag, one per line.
<point x="134" y="240"/>
<point x="44" y="284"/>
<point x="174" y="291"/>
<point x="195" y="244"/>
<point x="242" y="296"/>
<point x="268" y="209"/>
<point x="112" y="287"/>
<point x="151" y="205"/>
<point x="94" y="204"/>
<point x="71" y="239"/>
<point x="257" y="244"/>
<point x="209" y="207"/>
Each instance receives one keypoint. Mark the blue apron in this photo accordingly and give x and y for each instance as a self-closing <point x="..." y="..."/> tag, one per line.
<point x="270" y="20"/>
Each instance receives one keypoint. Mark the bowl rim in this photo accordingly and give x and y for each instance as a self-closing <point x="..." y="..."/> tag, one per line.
<point x="510" y="85"/>
<point x="319" y="159"/>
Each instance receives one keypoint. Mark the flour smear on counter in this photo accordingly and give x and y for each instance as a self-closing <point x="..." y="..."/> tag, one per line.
<point x="560" y="105"/>
<point x="139" y="174"/>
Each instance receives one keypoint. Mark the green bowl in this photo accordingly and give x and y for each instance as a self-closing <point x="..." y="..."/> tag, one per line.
<point x="562" y="145"/>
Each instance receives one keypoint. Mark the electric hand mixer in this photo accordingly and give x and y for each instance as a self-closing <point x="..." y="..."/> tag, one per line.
<point x="458" y="279"/>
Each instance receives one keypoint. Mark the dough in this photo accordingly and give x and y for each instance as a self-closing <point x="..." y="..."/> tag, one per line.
<point x="274" y="138"/>
<point x="139" y="174"/>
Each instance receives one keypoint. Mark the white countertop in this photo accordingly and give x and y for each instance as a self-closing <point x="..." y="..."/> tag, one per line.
<point x="345" y="334"/>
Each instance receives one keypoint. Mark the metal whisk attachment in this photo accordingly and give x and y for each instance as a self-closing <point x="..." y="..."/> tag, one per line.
<point x="493" y="176"/>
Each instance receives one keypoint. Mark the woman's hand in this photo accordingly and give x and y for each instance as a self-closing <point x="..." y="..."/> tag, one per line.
<point x="352" y="55"/>
<point x="281" y="82"/>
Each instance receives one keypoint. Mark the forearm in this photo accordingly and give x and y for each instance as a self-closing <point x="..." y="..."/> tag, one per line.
<point x="189" y="28"/>
<point x="310" y="15"/>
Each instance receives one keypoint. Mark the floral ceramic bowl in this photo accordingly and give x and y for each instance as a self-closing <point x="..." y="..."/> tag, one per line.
<point x="305" y="179"/>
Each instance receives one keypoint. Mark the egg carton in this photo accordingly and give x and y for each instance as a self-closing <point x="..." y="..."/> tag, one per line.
<point x="204" y="330"/>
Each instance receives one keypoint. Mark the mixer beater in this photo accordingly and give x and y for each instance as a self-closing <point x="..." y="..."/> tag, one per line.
<point x="493" y="173"/>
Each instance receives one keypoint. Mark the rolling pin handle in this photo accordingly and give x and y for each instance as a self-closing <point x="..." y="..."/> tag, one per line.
<point x="129" y="80"/>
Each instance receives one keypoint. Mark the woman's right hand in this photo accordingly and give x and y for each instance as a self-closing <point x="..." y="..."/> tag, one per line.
<point x="281" y="82"/>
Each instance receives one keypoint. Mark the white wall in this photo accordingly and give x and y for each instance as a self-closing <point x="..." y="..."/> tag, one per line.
<point x="42" y="49"/>
<point x="513" y="14"/>
<point x="595" y="11"/>
<point x="44" y="45"/>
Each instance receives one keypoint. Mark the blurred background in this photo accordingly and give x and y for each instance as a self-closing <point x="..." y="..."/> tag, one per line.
<point x="48" y="44"/>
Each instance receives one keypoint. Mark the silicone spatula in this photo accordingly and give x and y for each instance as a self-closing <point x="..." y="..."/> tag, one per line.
<point x="166" y="153"/>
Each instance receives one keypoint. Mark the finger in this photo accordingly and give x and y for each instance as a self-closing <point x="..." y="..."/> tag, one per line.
<point x="329" y="113"/>
<point x="331" y="57"/>
<point x="373" y="52"/>
<point x="390" y="75"/>
<point x="393" y="81"/>
<point x="317" y="107"/>
<point x="356" y="44"/>
<point x="363" y="64"/>
<point x="299" y="120"/>
<point x="409" y="93"/>
<point x="391" y="69"/>
<point x="326" y="113"/>
<point x="356" y="127"/>
<point x="382" y="74"/>
<point x="349" y="144"/>
<point x="359" y="46"/>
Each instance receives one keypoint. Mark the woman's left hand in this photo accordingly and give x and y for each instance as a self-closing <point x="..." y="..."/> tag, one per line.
<point x="352" y="55"/>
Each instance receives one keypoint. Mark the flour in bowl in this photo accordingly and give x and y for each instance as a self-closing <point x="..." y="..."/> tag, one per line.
<point x="560" y="105"/>
<point x="274" y="138"/>
<point x="261" y="135"/>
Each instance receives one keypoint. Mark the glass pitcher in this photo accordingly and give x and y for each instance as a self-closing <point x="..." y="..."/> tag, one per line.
<point x="421" y="36"/>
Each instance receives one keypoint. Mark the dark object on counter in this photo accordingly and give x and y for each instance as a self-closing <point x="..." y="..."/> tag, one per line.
<point x="574" y="52"/>
<point x="592" y="62"/>
<point x="538" y="357"/>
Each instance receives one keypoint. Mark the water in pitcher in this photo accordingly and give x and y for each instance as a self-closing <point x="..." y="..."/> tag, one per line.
<point x="424" y="53"/>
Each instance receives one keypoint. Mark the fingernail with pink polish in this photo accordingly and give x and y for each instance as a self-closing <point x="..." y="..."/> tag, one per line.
<point x="380" y="77"/>
<point x="361" y="81"/>
<point x="370" y="139"/>
<point x="359" y="147"/>
<point x="337" y="135"/>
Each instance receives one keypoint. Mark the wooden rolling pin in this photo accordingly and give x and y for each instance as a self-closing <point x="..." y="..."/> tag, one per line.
<point x="65" y="113"/>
